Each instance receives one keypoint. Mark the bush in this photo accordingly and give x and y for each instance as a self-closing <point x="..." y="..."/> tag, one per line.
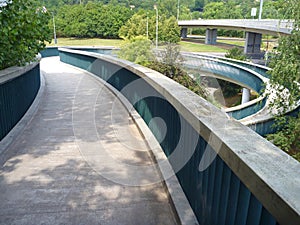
<point x="24" y="30"/>
<point x="169" y="64"/>
<point x="287" y="136"/>
<point x="236" y="53"/>
<point x="137" y="50"/>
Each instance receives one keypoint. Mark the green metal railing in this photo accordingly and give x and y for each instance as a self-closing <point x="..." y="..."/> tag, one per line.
<point x="16" y="96"/>
<point x="223" y="193"/>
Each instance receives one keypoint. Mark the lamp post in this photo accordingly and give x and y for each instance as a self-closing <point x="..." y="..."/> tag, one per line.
<point x="147" y="27"/>
<point x="54" y="30"/>
<point x="156" y="30"/>
<point x="178" y="10"/>
<point x="260" y="9"/>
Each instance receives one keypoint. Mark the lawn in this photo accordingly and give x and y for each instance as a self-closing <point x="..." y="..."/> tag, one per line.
<point x="232" y="42"/>
<point x="197" y="47"/>
<point x="87" y="42"/>
<point x="186" y="46"/>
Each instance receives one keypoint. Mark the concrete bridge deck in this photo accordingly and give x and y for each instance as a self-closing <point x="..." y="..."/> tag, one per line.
<point x="58" y="173"/>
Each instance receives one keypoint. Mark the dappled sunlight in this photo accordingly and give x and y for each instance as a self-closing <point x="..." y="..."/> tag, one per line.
<point x="67" y="158"/>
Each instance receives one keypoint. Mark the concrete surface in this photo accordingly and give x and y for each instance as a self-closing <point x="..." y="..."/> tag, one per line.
<point x="264" y="26"/>
<point x="53" y="178"/>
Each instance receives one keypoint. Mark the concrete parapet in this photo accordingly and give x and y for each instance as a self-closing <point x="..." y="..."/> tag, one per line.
<point x="257" y="177"/>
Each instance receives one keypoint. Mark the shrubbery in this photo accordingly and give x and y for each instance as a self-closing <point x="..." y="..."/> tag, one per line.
<point x="168" y="62"/>
<point x="236" y="53"/>
<point x="24" y="30"/>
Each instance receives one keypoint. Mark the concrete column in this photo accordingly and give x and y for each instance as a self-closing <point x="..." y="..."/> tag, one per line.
<point x="183" y="32"/>
<point x="245" y="95"/>
<point x="252" y="43"/>
<point x="211" y="36"/>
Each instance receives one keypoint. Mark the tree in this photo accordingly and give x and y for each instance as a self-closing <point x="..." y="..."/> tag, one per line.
<point x="23" y="31"/>
<point x="91" y="20"/>
<point x="137" y="50"/>
<point x="169" y="63"/>
<point x="221" y="10"/>
<point x="169" y="31"/>
<point x="236" y="53"/>
<point x="285" y="74"/>
<point x="135" y="26"/>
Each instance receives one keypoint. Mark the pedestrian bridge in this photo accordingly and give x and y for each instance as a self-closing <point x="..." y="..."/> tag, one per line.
<point x="103" y="141"/>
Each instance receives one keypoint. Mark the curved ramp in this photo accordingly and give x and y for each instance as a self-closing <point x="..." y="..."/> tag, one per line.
<point x="57" y="174"/>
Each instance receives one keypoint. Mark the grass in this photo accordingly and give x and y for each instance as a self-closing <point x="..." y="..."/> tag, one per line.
<point x="233" y="42"/>
<point x="196" y="47"/>
<point x="185" y="46"/>
<point x="87" y="42"/>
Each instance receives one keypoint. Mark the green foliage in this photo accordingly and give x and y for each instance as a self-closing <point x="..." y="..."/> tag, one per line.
<point x="286" y="64"/>
<point x="236" y="53"/>
<point x="23" y="32"/>
<point x="286" y="75"/>
<point x="137" y="26"/>
<point x="287" y="136"/>
<point x="170" y="64"/>
<point x="137" y="50"/>
<point x="221" y="10"/>
<point x="91" y="20"/>
<point x="168" y="30"/>
<point x="229" y="89"/>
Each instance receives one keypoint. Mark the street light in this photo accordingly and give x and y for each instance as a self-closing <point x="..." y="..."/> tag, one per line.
<point x="260" y="9"/>
<point x="54" y="30"/>
<point x="156" y="38"/>
<point x="178" y="10"/>
<point x="147" y="27"/>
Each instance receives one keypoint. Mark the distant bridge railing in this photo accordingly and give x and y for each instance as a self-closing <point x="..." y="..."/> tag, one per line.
<point x="262" y="70"/>
<point x="233" y="72"/>
<point x="230" y="174"/>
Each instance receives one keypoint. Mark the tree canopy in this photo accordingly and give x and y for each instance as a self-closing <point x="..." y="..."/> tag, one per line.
<point x="91" y="20"/>
<point x="23" y="32"/>
<point x="285" y="74"/>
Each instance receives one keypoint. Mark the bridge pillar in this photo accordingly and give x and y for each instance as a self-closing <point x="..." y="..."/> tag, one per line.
<point x="245" y="95"/>
<point x="211" y="36"/>
<point x="183" y="32"/>
<point x="252" y="43"/>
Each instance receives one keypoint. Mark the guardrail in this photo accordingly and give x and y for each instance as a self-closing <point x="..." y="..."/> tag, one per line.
<point x="229" y="173"/>
<point x="262" y="70"/>
<point x="262" y="126"/>
<point x="18" y="88"/>
<point x="235" y="73"/>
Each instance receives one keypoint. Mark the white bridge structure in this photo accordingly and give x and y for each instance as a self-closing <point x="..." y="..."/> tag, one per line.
<point x="253" y="28"/>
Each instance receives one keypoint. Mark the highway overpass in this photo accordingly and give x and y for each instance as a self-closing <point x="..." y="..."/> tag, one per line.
<point x="253" y="28"/>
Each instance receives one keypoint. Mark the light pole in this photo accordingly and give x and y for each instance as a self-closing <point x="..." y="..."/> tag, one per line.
<point x="54" y="30"/>
<point x="156" y="38"/>
<point x="178" y="10"/>
<point x="147" y="27"/>
<point x="260" y="9"/>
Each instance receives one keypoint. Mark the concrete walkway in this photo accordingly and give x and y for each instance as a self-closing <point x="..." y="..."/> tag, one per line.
<point x="80" y="160"/>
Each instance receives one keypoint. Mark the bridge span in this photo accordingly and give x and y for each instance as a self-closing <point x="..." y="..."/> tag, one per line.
<point x="107" y="139"/>
<point x="253" y="28"/>
<point x="57" y="170"/>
